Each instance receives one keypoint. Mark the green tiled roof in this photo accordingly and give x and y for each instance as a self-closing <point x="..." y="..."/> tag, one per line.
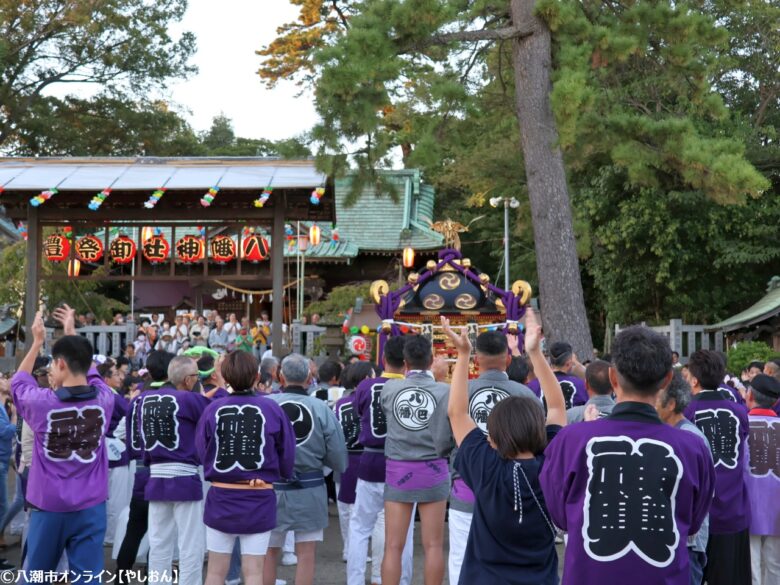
<point x="766" y="307"/>
<point x="376" y="223"/>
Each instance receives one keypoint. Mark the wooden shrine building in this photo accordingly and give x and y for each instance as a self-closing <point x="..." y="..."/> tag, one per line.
<point x="161" y="219"/>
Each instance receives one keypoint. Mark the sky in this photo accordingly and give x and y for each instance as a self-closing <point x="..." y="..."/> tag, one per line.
<point x="228" y="33"/>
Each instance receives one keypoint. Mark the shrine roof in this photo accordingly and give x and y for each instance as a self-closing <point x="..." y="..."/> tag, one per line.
<point x="132" y="180"/>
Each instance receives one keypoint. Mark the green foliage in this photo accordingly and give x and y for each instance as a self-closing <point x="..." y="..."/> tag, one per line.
<point x="83" y="295"/>
<point x="221" y="140"/>
<point x="123" y="46"/>
<point x="105" y="125"/>
<point x="339" y="300"/>
<point x="748" y="351"/>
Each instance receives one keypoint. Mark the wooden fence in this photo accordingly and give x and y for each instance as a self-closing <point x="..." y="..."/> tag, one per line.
<point x="686" y="339"/>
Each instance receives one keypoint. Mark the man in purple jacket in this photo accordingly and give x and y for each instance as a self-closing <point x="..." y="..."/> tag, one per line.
<point x="169" y="417"/>
<point x="68" y="483"/>
<point x="628" y="488"/>
<point x="562" y="362"/>
<point x="725" y="424"/>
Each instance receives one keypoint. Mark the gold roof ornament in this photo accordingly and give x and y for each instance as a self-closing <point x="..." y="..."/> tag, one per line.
<point x="450" y="230"/>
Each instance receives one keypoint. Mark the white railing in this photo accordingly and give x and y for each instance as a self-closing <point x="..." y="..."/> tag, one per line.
<point x="109" y="340"/>
<point x="686" y="339"/>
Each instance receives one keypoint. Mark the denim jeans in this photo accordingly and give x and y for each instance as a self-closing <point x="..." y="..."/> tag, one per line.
<point x="3" y="488"/>
<point x="697" y="560"/>
<point x="17" y="505"/>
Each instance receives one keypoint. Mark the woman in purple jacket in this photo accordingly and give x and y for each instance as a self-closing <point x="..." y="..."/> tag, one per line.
<point x="246" y="443"/>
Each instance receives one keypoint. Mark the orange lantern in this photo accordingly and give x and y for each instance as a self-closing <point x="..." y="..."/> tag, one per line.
<point x="89" y="249"/>
<point x="74" y="267"/>
<point x="222" y="249"/>
<point x="408" y="257"/>
<point x="190" y="249"/>
<point x="56" y="248"/>
<point x="122" y="250"/>
<point x="156" y="249"/>
<point x="314" y="234"/>
<point x="254" y="248"/>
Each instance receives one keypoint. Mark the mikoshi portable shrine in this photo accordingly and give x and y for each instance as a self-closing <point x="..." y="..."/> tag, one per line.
<point x="161" y="219"/>
<point x="452" y="287"/>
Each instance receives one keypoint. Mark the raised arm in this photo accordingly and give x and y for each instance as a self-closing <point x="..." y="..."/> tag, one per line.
<point x="67" y="318"/>
<point x="458" y="407"/>
<point x="556" y="405"/>
<point x="39" y="336"/>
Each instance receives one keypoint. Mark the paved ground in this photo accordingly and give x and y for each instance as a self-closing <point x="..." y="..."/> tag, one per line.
<point x="331" y="570"/>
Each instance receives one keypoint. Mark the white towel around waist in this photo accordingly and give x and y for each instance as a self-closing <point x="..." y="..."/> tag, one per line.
<point x="171" y="470"/>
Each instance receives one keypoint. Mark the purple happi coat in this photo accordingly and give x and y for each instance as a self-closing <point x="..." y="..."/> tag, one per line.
<point x="629" y="490"/>
<point x="350" y="425"/>
<point x="69" y="469"/>
<point x="763" y="481"/>
<point x="725" y="424"/>
<point x="121" y="405"/>
<point x="373" y="427"/>
<point x="135" y="445"/>
<point x="168" y="419"/>
<point x="240" y="438"/>
<point x="573" y="388"/>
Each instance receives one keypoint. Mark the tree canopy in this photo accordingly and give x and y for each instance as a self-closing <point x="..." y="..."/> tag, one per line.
<point x="667" y="115"/>
<point x="121" y="46"/>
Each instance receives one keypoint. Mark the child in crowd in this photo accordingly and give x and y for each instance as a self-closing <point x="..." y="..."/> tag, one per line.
<point x="512" y="538"/>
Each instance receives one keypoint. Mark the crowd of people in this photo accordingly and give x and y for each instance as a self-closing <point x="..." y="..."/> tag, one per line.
<point x="645" y="470"/>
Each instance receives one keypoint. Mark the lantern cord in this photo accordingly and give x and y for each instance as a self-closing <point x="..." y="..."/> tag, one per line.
<point x="253" y="292"/>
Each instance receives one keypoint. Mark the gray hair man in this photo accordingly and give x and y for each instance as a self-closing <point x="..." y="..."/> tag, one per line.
<point x="302" y="502"/>
<point x="168" y="420"/>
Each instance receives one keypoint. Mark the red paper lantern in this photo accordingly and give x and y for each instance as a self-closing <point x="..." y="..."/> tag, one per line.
<point x="222" y="249"/>
<point x="89" y="249"/>
<point x="156" y="249"/>
<point x="122" y="250"/>
<point x="254" y="248"/>
<point x="190" y="249"/>
<point x="56" y="248"/>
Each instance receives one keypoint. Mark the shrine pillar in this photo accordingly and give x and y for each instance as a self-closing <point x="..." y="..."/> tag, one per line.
<point x="277" y="275"/>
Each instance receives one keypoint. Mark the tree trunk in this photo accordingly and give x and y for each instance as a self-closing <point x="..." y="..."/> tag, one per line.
<point x="562" y="302"/>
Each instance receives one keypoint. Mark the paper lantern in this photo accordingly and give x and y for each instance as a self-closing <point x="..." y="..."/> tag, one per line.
<point x="303" y="243"/>
<point x="156" y="249"/>
<point x="74" y="267"/>
<point x="314" y="234"/>
<point x="408" y="257"/>
<point x="254" y="248"/>
<point x="189" y="249"/>
<point x="147" y="233"/>
<point x="56" y="248"/>
<point x="122" y="250"/>
<point x="89" y="249"/>
<point x="222" y="249"/>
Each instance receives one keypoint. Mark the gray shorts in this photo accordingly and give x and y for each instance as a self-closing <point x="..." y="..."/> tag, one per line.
<point x="437" y="493"/>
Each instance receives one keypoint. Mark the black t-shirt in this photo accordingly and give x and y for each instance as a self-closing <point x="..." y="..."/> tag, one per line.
<point x="501" y="550"/>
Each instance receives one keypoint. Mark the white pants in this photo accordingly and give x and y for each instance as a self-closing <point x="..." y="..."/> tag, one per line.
<point x="165" y="518"/>
<point x="765" y="559"/>
<point x="368" y="521"/>
<point x="120" y="492"/>
<point x="459" y="526"/>
<point x="345" y="511"/>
